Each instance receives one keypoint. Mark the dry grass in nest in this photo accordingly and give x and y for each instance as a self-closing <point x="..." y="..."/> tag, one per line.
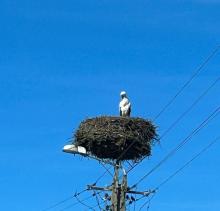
<point x="111" y="137"/>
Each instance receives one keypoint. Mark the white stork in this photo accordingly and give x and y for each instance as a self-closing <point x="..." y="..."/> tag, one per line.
<point x="124" y="105"/>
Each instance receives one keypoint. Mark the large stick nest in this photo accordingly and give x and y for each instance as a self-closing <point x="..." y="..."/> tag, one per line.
<point x="121" y="138"/>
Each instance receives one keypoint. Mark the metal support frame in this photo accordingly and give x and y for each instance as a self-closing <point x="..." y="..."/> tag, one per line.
<point x="119" y="189"/>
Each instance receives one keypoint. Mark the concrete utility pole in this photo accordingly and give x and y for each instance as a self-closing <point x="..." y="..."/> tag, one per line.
<point x="119" y="189"/>
<point x="112" y="140"/>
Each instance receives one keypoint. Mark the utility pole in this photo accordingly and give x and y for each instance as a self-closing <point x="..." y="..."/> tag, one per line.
<point x="119" y="189"/>
<point x="108" y="140"/>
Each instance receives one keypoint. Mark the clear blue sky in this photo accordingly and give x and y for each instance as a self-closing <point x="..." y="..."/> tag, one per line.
<point x="63" y="61"/>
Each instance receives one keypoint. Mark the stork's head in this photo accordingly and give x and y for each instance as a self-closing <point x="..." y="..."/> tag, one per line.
<point x="123" y="94"/>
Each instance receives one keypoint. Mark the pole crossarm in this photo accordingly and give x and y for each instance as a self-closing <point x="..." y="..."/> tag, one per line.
<point x="144" y="193"/>
<point x="93" y="187"/>
<point x="109" y="188"/>
<point x="119" y="190"/>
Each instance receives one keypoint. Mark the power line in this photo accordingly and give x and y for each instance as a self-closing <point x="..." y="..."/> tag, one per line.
<point x="188" y="163"/>
<point x="181" y="168"/>
<point x="205" y="122"/>
<point x="198" y="70"/>
<point x="187" y="139"/>
<point x="106" y="169"/>
<point x="98" y="205"/>
<point x="194" y="103"/>
<point x="132" y="167"/>
<point x="181" y="144"/>
<point x="196" y="73"/>
<point x="74" y="204"/>
<point x="190" y="108"/>
<point x="78" y="202"/>
<point x="97" y="200"/>
<point x="204" y="93"/>
<point x="58" y="203"/>
<point x="64" y="200"/>
<point x="147" y="203"/>
<point x="84" y="204"/>
<point x="100" y="177"/>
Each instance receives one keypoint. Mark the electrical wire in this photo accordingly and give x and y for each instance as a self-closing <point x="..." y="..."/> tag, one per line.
<point x="196" y="73"/>
<point x="148" y="207"/>
<point x="132" y="167"/>
<point x="204" y="93"/>
<point x="106" y="169"/>
<point x="76" y="203"/>
<point x="84" y="204"/>
<point x="98" y="204"/>
<point x="64" y="200"/>
<point x="148" y="202"/>
<point x="190" y="108"/>
<point x="97" y="200"/>
<point x="102" y="175"/>
<point x="188" y="163"/>
<point x="171" y="127"/>
<point x="198" y="70"/>
<point x="180" y="169"/>
<point x="134" y="205"/>
<point x="181" y="144"/>
<point x="58" y="203"/>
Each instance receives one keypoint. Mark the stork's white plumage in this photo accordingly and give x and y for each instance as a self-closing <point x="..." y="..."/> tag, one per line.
<point x="124" y="105"/>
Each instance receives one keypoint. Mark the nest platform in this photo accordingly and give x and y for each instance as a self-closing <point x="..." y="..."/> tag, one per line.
<point x="110" y="137"/>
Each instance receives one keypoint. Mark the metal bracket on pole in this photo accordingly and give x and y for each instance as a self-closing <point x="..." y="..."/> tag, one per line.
<point x="119" y="190"/>
<point x="119" y="187"/>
